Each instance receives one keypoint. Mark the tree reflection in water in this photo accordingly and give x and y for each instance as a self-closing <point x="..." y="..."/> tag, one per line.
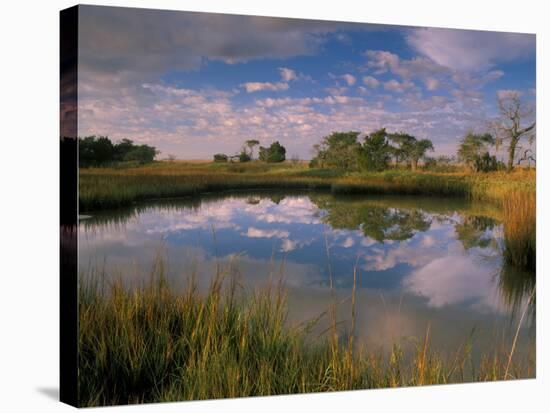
<point x="377" y="222"/>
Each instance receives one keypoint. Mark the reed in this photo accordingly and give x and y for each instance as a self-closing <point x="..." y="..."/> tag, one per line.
<point x="150" y="344"/>
<point x="519" y="217"/>
<point x="104" y="188"/>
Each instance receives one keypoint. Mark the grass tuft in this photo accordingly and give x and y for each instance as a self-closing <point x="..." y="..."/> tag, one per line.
<point x="150" y="344"/>
<point x="519" y="209"/>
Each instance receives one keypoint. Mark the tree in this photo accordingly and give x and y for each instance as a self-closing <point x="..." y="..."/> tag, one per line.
<point x="251" y="143"/>
<point x="509" y="126"/>
<point x="141" y="154"/>
<point x="220" y="157"/>
<point x="274" y="153"/>
<point x="337" y="150"/>
<point x="375" y="153"/>
<point x="473" y="148"/>
<point x="409" y="149"/>
<point x="95" y="151"/>
<point x="527" y="156"/>
<point x="244" y="156"/>
<point x="403" y="143"/>
<point x="121" y="149"/>
<point x="417" y="150"/>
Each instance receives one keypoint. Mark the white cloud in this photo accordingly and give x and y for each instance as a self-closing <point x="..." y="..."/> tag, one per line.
<point x="382" y="61"/>
<point x="396" y="86"/>
<point x="431" y="83"/>
<point x="265" y="233"/>
<point x="348" y="242"/>
<point x="252" y="87"/>
<point x="287" y="74"/>
<point x="370" y="81"/>
<point x="349" y="79"/>
<point x="470" y="50"/>
<point x="451" y="280"/>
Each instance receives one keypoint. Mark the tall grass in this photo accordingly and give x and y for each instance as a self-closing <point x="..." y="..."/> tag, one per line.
<point x="519" y="210"/>
<point x="150" y="344"/>
<point x="102" y="188"/>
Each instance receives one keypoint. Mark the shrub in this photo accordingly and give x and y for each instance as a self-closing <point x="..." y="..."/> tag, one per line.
<point x="220" y="157"/>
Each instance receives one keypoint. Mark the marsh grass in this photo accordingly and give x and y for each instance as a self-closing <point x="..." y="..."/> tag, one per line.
<point x="519" y="216"/>
<point x="104" y="188"/>
<point x="151" y="344"/>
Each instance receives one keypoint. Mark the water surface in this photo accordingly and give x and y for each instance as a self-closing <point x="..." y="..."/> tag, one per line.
<point x="421" y="263"/>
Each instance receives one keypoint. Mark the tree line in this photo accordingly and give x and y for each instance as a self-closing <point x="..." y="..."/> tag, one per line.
<point x="101" y="151"/>
<point x="344" y="151"/>
<point x="272" y="154"/>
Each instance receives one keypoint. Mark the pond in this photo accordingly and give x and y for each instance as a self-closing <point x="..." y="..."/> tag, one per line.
<point x="421" y="263"/>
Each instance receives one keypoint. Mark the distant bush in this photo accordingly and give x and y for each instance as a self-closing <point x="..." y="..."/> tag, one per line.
<point x="100" y="151"/>
<point x="442" y="164"/>
<point x="486" y="163"/>
<point x="141" y="154"/>
<point x="274" y="153"/>
<point x="244" y="157"/>
<point x="220" y="157"/>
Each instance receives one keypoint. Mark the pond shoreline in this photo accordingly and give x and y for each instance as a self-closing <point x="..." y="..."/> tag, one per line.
<point x="107" y="188"/>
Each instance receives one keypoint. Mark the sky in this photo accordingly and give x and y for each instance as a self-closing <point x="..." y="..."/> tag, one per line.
<point x="195" y="84"/>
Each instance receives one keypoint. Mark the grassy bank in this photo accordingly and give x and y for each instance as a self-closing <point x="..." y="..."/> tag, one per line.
<point x="103" y="188"/>
<point x="150" y="344"/>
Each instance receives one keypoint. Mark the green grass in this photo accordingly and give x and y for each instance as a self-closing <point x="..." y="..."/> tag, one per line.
<point x="150" y="344"/>
<point x="105" y="188"/>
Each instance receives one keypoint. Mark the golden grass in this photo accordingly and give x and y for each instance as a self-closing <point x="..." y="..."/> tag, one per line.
<point x="519" y="210"/>
<point x="112" y="187"/>
<point x="150" y="344"/>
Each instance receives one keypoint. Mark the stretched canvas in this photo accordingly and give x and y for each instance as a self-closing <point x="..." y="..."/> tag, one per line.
<point x="263" y="206"/>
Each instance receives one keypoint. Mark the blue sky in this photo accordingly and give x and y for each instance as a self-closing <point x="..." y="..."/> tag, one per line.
<point x="193" y="84"/>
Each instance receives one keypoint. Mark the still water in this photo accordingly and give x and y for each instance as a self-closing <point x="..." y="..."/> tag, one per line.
<point x="421" y="263"/>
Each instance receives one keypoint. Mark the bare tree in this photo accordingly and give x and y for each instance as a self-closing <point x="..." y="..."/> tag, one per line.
<point x="509" y="127"/>
<point x="527" y="156"/>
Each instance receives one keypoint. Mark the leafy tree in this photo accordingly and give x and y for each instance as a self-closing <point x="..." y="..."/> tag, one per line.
<point x="403" y="143"/>
<point x="100" y="151"/>
<point x="220" y="157"/>
<point x="244" y="156"/>
<point x="141" y="154"/>
<point x="274" y="153"/>
<point x="251" y="143"/>
<point x="337" y="150"/>
<point x="509" y="126"/>
<point x="473" y="148"/>
<point x="375" y="153"/>
<point x="121" y="149"/>
<point x="417" y="150"/>
<point x="409" y="149"/>
<point x="95" y="151"/>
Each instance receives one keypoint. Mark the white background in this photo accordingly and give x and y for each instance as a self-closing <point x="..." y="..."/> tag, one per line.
<point x="29" y="133"/>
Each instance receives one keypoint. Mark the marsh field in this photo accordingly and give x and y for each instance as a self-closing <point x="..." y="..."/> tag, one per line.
<point x="202" y="280"/>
